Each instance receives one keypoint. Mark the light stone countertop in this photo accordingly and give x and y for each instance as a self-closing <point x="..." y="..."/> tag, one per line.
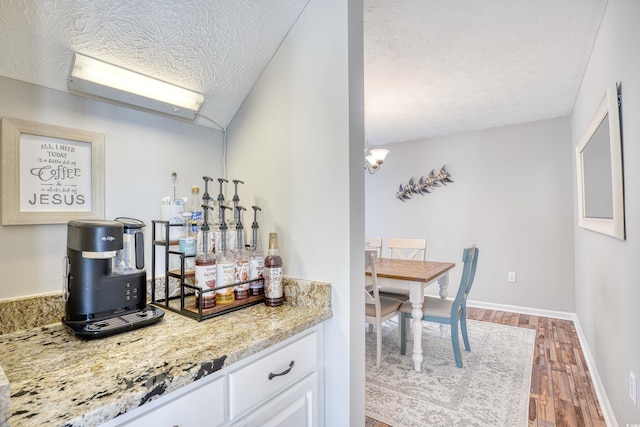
<point x="57" y="379"/>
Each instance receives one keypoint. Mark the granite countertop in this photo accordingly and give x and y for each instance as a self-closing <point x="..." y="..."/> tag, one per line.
<point x="57" y="379"/>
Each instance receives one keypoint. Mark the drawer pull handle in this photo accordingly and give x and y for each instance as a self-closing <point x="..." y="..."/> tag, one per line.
<point x="285" y="372"/>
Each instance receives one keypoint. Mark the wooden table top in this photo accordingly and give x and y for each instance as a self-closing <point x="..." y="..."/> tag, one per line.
<point x="411" y="270"/>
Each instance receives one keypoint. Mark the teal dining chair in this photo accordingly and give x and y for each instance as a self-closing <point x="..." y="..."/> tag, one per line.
<point x="446" y="311"/>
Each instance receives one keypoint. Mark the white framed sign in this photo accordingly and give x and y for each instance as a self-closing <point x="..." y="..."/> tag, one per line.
<point x="50" y="174"/>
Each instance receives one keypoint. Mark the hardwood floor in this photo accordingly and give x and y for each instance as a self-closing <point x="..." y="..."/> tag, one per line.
<point x="562" y="392"/>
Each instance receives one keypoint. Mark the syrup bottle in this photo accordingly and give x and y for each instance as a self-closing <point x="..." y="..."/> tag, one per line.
<point x="217" y="235"/>
<point x="205" y="277"/>
<point x="241" y="260"/>
<point x="256" y="258"/>
<point x="206" y="207"/>
<point x="273" y="289"/>
<point x="225" y="266"/>
<point x="233" y="223"/>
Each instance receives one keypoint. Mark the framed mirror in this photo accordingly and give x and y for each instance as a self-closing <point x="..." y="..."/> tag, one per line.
<point x="599" y="166"/>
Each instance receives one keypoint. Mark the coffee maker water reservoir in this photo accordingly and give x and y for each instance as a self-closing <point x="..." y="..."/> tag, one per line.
<point x="130" y="259"/>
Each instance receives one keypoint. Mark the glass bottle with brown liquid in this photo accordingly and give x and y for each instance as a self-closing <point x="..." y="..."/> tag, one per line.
<point x="273" y="290"/>
<point x="225" y="266"/>
<point x="205" y="277"/>
<point x="256" y="259"/>
<point x="241" y="260"/>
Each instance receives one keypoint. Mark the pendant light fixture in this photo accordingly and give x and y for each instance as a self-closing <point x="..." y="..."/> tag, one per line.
<point x="373" y="160"/>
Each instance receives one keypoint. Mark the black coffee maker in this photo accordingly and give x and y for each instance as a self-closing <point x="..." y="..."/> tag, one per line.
<point x="104" y="286"/>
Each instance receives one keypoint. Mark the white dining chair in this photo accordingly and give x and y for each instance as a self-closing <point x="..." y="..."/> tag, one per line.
<point x="374" y="243"/>
<point x="377" y="309"/>
<point x="415" y="249"/>
<point x="407" y="248"/>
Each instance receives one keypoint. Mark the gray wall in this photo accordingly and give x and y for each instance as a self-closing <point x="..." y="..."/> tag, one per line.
<point x="297" y="143"/>
<point x="141" y="151"/>
<point x="607" y="269"/>
<point x="512" y="197"/>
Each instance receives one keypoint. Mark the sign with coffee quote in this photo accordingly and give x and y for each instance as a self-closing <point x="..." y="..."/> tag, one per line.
<point x="55" y="174"/>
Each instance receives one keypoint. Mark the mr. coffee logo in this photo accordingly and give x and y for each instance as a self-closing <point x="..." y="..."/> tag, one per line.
<point x="108" y="238"/>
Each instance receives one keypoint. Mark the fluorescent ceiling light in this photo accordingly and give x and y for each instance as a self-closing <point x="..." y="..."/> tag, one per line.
<point x="107" y="81"/>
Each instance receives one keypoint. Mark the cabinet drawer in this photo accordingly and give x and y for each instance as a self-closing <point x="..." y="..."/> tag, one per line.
<point x="203" y="406"/>
<point x="295" y="407"/>
<point x="253" y="384"/>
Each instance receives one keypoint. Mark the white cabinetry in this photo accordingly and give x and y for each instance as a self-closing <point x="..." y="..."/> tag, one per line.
<point x="295" y="407"/>
<point x="203" y="406"/>
<point x="257" y="382"/>
<point x="281" y="386"/>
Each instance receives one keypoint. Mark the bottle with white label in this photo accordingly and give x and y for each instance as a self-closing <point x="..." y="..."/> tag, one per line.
<point x="187" y="243"/>
<point x="273" y="288"/>
<point x="256" y="259"/>
<point x="225" y="267"/>
<point x="241" y="260"/>
<point x="206" y="206"/>
<point x="195" y="207"/>
<point x="205" y="277"/>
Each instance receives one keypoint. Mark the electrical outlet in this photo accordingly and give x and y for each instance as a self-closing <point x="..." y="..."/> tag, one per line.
<point x="511" y="277"/>
<point x="633" y="388"/>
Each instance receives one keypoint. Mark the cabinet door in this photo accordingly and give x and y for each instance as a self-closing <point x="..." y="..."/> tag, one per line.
<point x="257" y="382"/>
<point x="295" y="407"/>
<point x="203" y="406"/>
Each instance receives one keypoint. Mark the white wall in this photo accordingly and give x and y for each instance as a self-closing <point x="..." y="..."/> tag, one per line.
<point x="290" y="143"/>
<point x="511" y="197"/>
<point x="607" y="269"/>
<point x="141" y="152"/>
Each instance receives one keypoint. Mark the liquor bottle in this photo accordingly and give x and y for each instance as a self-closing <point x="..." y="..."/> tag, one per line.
<point x="225" y="267"/>
<point x="241" y="260"/>
<point x="205" y="276"/>
<point x="187" y="243"/>
<point x="273" y="290"/>
<point x="256" y="259"/>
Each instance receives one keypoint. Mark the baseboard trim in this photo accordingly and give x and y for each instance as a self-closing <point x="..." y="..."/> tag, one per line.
<point x="565" y="315"/>
<point x="601" y="394"/>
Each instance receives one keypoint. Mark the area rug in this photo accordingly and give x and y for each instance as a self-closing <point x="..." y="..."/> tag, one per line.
<point x="492" y="388"/>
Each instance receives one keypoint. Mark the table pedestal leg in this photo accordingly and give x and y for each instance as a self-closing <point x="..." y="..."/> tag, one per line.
<point x="416" y="326"/>
<point x="443" y="282"/>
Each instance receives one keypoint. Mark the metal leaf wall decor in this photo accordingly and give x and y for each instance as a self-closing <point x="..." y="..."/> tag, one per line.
<point x="424" y="185"/>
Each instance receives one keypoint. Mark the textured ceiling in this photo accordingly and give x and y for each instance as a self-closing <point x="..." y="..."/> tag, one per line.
<point x="432" y="67"/>
<point x="216" y="47"/>
<point x="437" y="67"/>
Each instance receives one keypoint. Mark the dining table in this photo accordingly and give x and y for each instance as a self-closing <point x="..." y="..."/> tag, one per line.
<point x="414" y="275"/>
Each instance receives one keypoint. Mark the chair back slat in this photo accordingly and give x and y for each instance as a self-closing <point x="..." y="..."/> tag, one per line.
<point x="374" y="243"/>
<point x="470" y="260"/>
<point x="372" y="297"/>
<point x="408" y="248"/>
